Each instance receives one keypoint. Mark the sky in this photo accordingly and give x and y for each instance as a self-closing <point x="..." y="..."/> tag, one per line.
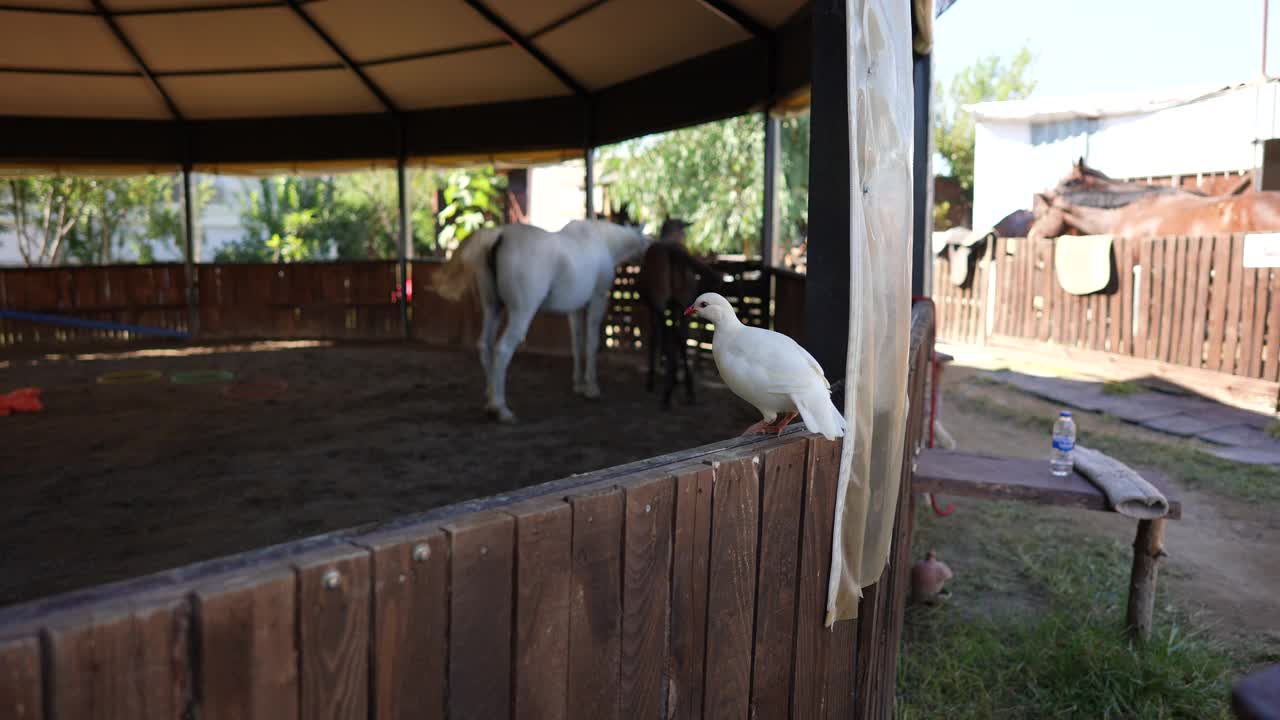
<point x="1105" y="46"/>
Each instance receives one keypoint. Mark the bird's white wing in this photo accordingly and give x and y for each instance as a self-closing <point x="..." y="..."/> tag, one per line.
<point x="777" y="363"/>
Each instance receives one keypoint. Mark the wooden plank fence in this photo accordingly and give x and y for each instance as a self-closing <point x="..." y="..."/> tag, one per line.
<point x="691" y="585"/>
<point x="1182" y="300"/>
<point x="339" y="300"/>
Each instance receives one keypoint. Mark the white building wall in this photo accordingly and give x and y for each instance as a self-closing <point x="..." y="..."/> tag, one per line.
<point x="1211" y="136"/>
<point x="1000" y="169"/>
<point x="556" y="195"/>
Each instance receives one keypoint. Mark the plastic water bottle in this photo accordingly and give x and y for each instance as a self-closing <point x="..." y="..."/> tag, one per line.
<point x="1064" y="442"/>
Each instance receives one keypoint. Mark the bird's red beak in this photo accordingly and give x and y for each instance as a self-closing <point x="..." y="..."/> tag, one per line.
<point x="690" y="310"/>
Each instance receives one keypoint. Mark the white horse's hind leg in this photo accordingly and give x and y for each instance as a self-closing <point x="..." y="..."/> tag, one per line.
<point x="591" y="342"/>
<point x="512" y="337"/>
<point x="491" y="309"/>
<point x="577" y="322"/>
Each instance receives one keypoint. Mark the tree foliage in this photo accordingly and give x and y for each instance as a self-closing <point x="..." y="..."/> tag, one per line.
<point x="987" y="79"/>
<point x="713" y="176"/>
<point x="473" y="200"/>
<point x="348" y="216"/>
<point x="92" y="219"/>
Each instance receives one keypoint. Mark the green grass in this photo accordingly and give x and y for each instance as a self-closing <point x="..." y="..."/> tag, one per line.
<point x="1178" y="459"/>
<point x="1121" y="387"/>
<point x="1061" y="651"/>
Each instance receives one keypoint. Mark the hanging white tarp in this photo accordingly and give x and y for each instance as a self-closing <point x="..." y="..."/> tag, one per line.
<point x="881" y="135"/>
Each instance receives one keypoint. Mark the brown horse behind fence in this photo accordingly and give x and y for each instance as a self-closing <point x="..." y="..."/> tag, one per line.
<point x="670" y="279"/>
<point x="1159" y="216"/>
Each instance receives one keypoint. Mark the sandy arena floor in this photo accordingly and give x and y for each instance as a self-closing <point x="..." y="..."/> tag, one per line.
<point x="113" y="481"/>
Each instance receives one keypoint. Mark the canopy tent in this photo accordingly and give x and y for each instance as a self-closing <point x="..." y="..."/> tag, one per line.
<point x="216" y="84"/>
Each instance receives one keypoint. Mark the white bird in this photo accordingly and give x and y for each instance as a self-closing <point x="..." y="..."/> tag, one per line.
<point x="769" y="370"/>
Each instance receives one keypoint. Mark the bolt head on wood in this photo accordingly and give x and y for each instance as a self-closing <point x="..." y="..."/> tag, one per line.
<point x="332" y="580"/>
<point x="421" y="552"/>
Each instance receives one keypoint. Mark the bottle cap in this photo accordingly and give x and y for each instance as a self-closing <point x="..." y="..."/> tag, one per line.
<point x="1065" y="413"/>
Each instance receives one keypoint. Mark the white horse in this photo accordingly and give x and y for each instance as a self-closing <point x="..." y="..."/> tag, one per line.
<point x="528" y="269"/>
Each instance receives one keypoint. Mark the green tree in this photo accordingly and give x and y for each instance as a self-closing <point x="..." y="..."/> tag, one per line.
<point x="713" y="176"/>
<point x="138" y="214"/>
<point x="43" y="214"/>
<point x="473" y="200"/>
<point x="987" y="79"/>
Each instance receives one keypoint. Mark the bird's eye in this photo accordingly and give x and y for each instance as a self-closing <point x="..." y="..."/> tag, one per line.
<point x="704" y="304"/>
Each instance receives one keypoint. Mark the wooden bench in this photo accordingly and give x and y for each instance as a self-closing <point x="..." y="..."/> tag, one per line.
<point x="943" y="472"/>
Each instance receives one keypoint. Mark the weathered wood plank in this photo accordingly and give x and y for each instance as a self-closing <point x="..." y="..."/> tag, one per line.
<point x="1125" y="261"/>
<point x="781" y="509"/>
<point x="410" y="621"/>
<point x="1143" y="290"/>
<point x="248" y="646"/>
<point x="649" y="513"/>
<point x="595" y="614"/>
<point x="1188" y="290"/>
<point x="1219" y="289"/>
<point x="1168" y="273"/>
<point x="122" y="663"/>
<point x="1271" y="370"/>
<point x="1236" y="293"/>
<point x="21" y="693"/>
<point x="1114" y="296"/>
<point x="809" y="691"/>
<point x="1204" y="265"/>
<point x="731" y="588"/>
<point x="1156" y="314"/>
<point x="544" y="570"/>
<point x="691" y="545"/>
<point x="333" y="633"/>
<point x="482" y="563"/>
<point x="1170" y="343"/>
<point x="1048" y="282"/>
<point x="1251" y="338"/>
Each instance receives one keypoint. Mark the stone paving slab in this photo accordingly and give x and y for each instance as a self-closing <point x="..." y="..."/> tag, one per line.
<point x="1250" y="455"/>
<point x="1188" y="425"/>
<point x="1178" y="411"/>
<point x="1240" y="435"/>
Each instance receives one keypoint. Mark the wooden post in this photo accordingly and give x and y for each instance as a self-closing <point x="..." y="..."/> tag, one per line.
<point x="189" y="260"/>
<point x="1148" y="548"/>
<point x="406" y="241"/>
<point x="826" y="298"/>
<point x="769" y="229"/>
<point x="589" y="182"/>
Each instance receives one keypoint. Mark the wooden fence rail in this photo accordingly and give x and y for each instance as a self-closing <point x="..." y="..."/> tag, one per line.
<point x="685" y="586"/>
<point x="1186" y="301"/>
<point x="338" y="300"/>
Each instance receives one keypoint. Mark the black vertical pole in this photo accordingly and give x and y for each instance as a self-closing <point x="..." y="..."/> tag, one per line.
<point x="826" y="325"/>
<point x="589" y="182"/>
<point x="922" y="178"/>
<point x="403" y="250"/>
<point x="189" y="264"/>
<point x="769" y="229"/>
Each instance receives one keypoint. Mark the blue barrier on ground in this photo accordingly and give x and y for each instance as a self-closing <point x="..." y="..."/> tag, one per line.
<point x="91" y="324"/>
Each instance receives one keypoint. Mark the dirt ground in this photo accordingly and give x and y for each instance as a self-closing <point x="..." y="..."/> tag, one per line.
<point x="118" y="480"/>
<point x="1222" y="560"/>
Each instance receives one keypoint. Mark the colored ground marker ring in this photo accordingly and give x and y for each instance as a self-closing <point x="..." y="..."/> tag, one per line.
<point x="256" y="390"/>
<point x="130" y="377"/>
<point x="201" y="377"/>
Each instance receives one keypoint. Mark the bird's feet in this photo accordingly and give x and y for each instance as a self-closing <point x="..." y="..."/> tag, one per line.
<point x="784" y="421"/>
<point x="761" y="428"/>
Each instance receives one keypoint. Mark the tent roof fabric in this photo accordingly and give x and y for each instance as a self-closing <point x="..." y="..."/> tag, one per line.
<point x="278" y="82"/>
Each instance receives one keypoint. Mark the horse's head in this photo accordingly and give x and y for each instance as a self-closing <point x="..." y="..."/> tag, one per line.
<point x="1049" y="219"/>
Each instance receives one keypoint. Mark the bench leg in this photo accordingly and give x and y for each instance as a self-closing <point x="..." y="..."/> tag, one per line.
<point x="1148" y="548"/>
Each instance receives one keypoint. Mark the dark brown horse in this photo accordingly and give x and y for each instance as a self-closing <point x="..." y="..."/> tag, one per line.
<point x="670" y="279"/>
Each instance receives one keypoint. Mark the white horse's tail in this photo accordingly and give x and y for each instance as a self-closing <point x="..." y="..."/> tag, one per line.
<point x="452" y="280"/>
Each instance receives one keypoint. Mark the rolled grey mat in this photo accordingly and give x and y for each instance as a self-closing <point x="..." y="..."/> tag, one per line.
<point x="1126" y="490"/>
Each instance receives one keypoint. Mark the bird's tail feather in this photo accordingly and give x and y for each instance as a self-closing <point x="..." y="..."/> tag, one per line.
<point x="820" y="414"/>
